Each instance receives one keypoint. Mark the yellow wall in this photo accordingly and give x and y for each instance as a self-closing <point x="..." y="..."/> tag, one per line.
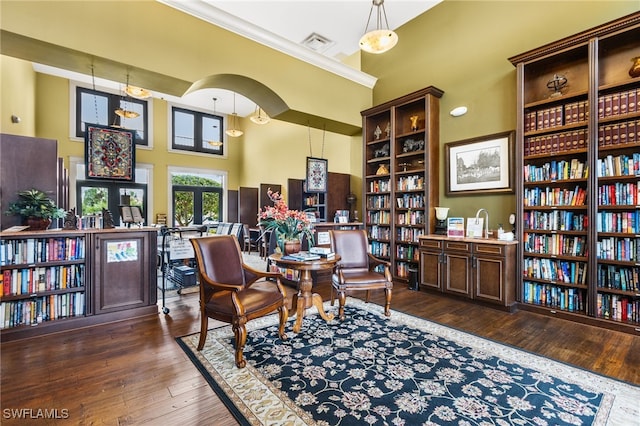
<point x="462" y="47"/>
<point x="17" y="85"/>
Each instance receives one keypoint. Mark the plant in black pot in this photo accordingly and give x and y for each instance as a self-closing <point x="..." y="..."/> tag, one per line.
<point x="36" y="209"/>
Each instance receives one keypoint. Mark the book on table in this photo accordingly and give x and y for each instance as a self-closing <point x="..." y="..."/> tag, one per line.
<point x="302" y="256"/>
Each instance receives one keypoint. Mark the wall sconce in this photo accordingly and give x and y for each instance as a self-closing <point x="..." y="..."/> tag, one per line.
<point x="458" y="111"/>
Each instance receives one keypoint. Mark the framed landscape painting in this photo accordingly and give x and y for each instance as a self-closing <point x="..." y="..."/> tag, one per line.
<point x="480" y="165"/>
<point x="110" y="153"/>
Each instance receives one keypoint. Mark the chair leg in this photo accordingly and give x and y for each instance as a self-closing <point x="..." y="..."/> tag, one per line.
<point x="387" y="302"/>
<point x="240" y="333"/>
<point x="284" y="315"/>
<point x="204" y="324"/>
<point x="367" y="297"/>
<point x="331" y="295"/>
<point x="342" y="299"/>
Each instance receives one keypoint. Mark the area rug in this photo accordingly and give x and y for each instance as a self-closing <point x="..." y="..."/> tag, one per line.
<point x="402" y="370"/>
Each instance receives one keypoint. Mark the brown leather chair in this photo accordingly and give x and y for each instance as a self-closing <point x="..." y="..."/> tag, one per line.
<point x="355" y="270"/>
<point x="230" y="291"/>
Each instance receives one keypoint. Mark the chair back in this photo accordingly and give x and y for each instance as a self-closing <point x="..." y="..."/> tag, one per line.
<point x="219" y="258"/>
<point x="352" y="247"/>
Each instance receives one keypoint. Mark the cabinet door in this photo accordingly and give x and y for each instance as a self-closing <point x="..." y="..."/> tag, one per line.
<point x="489" y="279"/>
<point x="122" y="271"/>
<point x="457" y="277"/>
<point x="430" y="269"/>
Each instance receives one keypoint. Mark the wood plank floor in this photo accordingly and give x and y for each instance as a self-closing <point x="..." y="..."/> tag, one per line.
<point x="133" y="372"/>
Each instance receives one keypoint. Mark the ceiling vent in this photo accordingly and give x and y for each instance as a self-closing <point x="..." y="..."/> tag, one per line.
<point x="317" y="43"/>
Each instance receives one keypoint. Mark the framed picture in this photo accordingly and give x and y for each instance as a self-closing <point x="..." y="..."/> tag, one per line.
<point x="110" y="153"/>
<point x="480" y="165"/>
<point x="316" y="175"/>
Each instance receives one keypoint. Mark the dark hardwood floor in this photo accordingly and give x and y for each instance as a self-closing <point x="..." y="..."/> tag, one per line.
<point x="133" y="372"/>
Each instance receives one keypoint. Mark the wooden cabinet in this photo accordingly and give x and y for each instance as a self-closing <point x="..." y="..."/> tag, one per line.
<point x="401" y="176"/>
<point x="59" y="280"/>
<point x="482" y="270"/>
<point x="324" y="203"/>
<point x="578" y="153"/>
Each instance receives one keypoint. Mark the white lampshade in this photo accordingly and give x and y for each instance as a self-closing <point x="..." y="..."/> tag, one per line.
<point x="378" y="41"/>
<point x="442" y="212"/>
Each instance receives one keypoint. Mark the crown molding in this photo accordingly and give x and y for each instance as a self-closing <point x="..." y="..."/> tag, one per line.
<point x="205" y="11"/>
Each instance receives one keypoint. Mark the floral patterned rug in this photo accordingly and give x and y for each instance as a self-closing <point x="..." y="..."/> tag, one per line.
<point x="402" y="370"/>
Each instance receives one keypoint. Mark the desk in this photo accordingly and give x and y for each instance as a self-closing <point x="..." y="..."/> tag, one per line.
<point x="305" y="298"/>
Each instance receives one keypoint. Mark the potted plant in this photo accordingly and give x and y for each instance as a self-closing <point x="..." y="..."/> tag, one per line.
<point x="289" y="226"/>
<point x="36" y="208"/>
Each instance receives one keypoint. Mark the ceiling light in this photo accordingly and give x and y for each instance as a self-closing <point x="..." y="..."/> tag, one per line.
<point x="259" y="117"/>
<point x="124" y="112"/>
<point x="458" y="111"/>
<point x="233" y="132"/>
<point x="137" y="92"/>
<point x="380" y="39"/>
<point x="214" y="143"/>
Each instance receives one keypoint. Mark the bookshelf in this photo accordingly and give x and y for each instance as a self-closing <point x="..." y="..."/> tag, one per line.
<point x="579" y="159"/>
<point x="401" y="176"/>
<point x="60" y="280"/>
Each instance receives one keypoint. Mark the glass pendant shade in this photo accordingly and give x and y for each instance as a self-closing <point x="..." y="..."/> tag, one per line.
<point x="260" y="117"/>
<point x="137" y="92"/>
<point x="233" y="132"/>
<point x="126" y="113"/>
<point x="380" y="39"/>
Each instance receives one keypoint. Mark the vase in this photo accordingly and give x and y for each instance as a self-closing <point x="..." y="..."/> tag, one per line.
<point x="635" y="68"/>
<point x="292" y="246"/>
<point x="37" y="223"/>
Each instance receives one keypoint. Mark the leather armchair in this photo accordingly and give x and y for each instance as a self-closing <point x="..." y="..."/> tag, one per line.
<point x="356" y="268"/>
<point x="228" y="290"/>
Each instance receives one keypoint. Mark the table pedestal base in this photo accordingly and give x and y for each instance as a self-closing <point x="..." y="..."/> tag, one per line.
<point x="305" y="299"/>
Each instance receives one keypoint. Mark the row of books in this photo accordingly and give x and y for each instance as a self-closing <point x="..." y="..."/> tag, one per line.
<point x="34" y="280"/>
<point x="624" y="132"/>
<point x="554" y="196"/>
<point x="556" y="143"/>
<point x="405" y="252"/>
<point x="379" y="232"/>
<point x="41" y="309"/>
<point x="379" y="217"/>
<point x="402" y="269"/>
<point x="556" y="116"/>
<point x="619" y="194"/>
<point x="555" y="270"/>
<point x="415" y="217"/>
<point x="619" y="165"/>
<point x="409" y="234"/>
<point x="555" y="220"/>
<point x="410" y="183"/>
<point x="618" y="308"/>
<point x="614" y="248"/>
<point x="566" y="299"/>
<point x="379" y="185"/>
<point x="623" y="222"/>
<point x="623" y="278"/>
<point x="619" y="103"/>
<point x="410" y="201"/>
<point x="378" y="202"/>
<point x="379" y="249"/>
<point x="287" y="273"/>
<point x="556" y="244"/>
<point x="556" y="170"/>
<point x="32" y="250"/>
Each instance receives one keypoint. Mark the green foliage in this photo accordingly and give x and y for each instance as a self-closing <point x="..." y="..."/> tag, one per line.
<point x="35" y="203"/>
<point x="94" y="200"/>
<point x="184" y="203"/>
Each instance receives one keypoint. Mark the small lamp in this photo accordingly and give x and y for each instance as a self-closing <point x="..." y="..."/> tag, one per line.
<point x="441" y="223"/>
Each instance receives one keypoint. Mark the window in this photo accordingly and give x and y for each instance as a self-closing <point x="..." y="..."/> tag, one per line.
<point x="94" y="196"/>
<point x="96" y="107"/>
<point x="196" y="131"/>
<point x="196" y="198"/>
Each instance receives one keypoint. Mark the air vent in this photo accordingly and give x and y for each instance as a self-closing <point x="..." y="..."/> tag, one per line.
<point x="317" y="42"/>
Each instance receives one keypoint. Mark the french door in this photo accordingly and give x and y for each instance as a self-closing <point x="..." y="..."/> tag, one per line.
<point x="197" y="205"/>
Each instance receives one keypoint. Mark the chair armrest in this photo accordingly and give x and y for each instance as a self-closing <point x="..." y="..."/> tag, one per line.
<point x="220" y="286"/>
<point x="251" y="275"/>
<point x="374" y="262"/>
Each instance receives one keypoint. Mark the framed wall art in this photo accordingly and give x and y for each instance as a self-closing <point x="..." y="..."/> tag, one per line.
<point x="480" y="165"/>
<point x="316" y="175"/>
<point x="110" y="153"/>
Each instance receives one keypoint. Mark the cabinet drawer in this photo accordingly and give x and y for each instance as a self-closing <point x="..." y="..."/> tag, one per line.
<point x="493" y="249"/>
<point x="430" y="244"/>
<point x="460" y="246"/>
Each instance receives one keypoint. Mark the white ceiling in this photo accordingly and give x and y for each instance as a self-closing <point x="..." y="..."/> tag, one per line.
<point x="282" y="25"/>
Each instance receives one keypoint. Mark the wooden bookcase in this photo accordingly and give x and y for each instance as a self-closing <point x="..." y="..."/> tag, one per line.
<point x="578" y="198"/>
<point x="60" y="280"/>
<point x="401" y="176"/>
<point x="324" y="203"/>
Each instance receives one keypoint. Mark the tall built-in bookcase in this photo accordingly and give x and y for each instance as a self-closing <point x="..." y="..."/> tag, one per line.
<point x="401" y="178"/>
<point x="578" y="198"/>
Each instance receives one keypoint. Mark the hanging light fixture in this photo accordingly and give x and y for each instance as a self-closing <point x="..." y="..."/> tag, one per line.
<point x="233" y="132"/>
<point x="124" y="112"/>
<point x="214" y="143"/>
<point x="259" y="117"/>
<point x="381" y="39"/>
<point x="137" y="92"/>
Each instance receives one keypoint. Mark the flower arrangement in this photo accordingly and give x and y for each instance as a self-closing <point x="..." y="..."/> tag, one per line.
<point x="287" y="225"/>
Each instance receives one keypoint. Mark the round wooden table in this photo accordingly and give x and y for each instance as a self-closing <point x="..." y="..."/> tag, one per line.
<point x="305" y="298"/>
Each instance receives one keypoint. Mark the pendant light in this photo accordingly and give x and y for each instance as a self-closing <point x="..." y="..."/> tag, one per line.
<point x="124" y="112"/>
<point x="233" y="132"/>
<point x="260" y="117"/>
<point x="214" y="143"/>
<point x="381" y="39"/>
